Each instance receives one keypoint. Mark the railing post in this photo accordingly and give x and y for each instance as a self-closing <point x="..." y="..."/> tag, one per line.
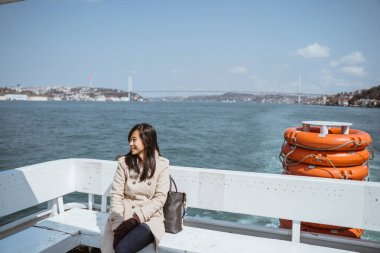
<point x="61" y="208"/>
<point x="296" y="231"/>
<point x="53" y="206"/>
<point x="90" y="201"/>
<point x="103" y="207"/>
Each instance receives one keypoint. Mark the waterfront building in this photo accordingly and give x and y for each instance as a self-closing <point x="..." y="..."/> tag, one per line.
<point x="16" y="97"/>
<point x="38" y="98"/>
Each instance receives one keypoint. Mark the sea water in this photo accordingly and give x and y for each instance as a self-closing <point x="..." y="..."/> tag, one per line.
<point x="228" y="136"/>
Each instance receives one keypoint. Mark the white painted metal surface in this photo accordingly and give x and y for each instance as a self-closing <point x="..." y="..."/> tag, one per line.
<point x="28" y="186"/>
<point x="345" y="126"/>
<point x="209" y="241"/>
<point x="35" y="240"/>
<point x="93" y="176"/>
<point x="327" y="201"/>
<point x="90" y="225"/>
<point x="296" y="231"/>
<point x="35" y="184"/>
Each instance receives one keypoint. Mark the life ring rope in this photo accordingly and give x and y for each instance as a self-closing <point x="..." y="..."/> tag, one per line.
<point x="316" y="149"/>
<point x="371" y="151"/>
<point x="286" y="162"/>
<point x="334" y="140"/>
<point x="332" y="148"/>
<point x="294" y="139"/>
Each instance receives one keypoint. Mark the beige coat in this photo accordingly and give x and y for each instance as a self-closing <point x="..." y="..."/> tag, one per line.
<point x="146" y="199"/>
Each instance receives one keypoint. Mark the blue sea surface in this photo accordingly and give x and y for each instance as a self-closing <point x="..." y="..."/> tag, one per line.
<point x="229" y="136"/>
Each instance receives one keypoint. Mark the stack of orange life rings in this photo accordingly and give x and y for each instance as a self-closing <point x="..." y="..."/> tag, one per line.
<point x="334" y="154"/>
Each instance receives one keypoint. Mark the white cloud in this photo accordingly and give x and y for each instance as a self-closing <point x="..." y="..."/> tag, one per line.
<point x="332" y="83"/>
<point x="328" y="80"/>
<point x="353" y="58"/>
<point x="353" y="71"/>
<point x="238" y="70"/>
<point x="314" y="51"/>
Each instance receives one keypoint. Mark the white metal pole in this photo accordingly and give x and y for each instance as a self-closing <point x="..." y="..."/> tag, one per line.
<point x="129" y="87"/>
<point x="296" y="231"/>
<point x="90" y="201"/>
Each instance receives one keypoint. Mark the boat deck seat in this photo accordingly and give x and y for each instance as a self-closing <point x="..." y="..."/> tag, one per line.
<point x="296" y="198"/>
<point x="84" y="227"/>
<point x="35" y="239"/>
<point x="193" y="239"/>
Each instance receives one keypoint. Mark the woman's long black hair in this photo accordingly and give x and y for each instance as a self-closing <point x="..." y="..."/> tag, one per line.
<point x="149" y="138"/>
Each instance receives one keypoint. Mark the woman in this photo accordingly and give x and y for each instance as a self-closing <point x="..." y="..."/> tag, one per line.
<point x="139" y="191"/>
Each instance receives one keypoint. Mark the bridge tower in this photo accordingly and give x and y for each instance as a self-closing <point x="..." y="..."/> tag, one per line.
<point x="299" y="89"/>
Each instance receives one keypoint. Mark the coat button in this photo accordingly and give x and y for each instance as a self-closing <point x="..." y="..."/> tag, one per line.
<point x="134" y="182"/>
<point x="112" y="219"/>
<point x="149" y="183"/>
<point x="133" y="207"/>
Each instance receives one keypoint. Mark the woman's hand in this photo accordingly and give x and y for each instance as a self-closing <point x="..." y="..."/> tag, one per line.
<point x="124" y="228"/>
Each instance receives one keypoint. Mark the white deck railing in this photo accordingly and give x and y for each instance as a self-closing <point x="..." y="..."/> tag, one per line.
<point x="328" y="201"/>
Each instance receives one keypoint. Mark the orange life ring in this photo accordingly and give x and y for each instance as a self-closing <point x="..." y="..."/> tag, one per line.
<point x="353" y="173"/>
<point x="346" y="232"/>
<point x="334" y="140"/>
<point x="326" y="158"/>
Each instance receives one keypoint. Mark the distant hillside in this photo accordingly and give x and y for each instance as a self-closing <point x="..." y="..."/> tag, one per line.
<point x="372" y="93"/>
<point x="244" y="97"/>
<point x="76" y="93"/>
<point x="365" y="98"/>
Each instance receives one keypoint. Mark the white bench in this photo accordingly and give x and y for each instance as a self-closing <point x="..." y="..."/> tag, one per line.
<point x="335" y="202"/>
<point x="49" y="182"/>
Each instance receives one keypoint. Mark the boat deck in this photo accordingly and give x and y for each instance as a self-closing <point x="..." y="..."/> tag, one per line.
<point x="76" y="227"/>
<point x="290" y="197"/>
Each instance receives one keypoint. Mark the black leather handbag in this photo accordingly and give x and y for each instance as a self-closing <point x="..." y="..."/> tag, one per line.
<point x="174" y="209"/>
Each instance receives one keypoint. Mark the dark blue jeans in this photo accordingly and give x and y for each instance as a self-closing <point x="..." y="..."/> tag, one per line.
<point x="135" y="240"/>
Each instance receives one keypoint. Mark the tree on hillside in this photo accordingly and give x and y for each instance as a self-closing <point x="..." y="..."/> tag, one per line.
<point x="372" y="93"/>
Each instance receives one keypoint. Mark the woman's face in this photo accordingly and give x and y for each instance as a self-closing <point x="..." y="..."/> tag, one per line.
<point x="136" y="144"/>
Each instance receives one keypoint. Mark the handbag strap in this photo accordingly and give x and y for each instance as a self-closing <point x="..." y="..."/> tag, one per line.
<point x="175" y="186"/>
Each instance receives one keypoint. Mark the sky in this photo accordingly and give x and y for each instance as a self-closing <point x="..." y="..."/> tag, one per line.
<point x="197" y="45"/>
